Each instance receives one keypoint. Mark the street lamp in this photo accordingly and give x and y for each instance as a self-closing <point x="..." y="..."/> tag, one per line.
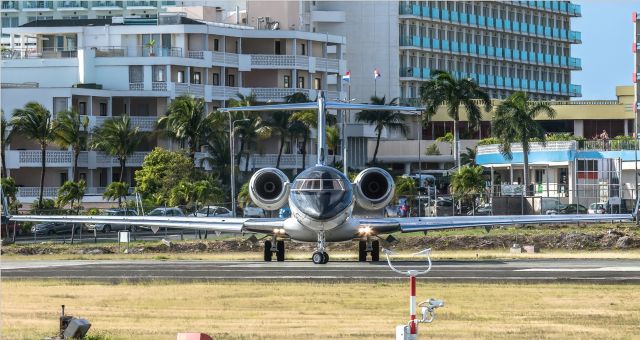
<point x="232" y="166"/>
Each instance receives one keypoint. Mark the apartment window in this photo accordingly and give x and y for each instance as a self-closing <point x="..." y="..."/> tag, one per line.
<point x="303" y="48"/>
<point x="59" y="104"/>
<point x="158" y="72"/>
<point x="317" y="84"/>
<point x="103" y="109"/>
<point x="196" y="78"/>
<point x="64" y="177"/>
<point x="216" y="79"/>
<point x="231" y="80"/>
<point x="277" y="47"/>
<point x="136" y="74"/>
<point x="287" y="82"/>
<point x="301" y="82"/>
<point x="10" y="22"/>
<point x="216" y="44"/>
<point x="82" y="108"/>
<point x="180" y="76"/>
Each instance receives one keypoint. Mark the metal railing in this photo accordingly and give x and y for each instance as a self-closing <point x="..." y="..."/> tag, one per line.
<point x="37" y="4"/>
<point x="137" y="51"/>
<point x="37" y="53"/>
<point x="73" y="4"/>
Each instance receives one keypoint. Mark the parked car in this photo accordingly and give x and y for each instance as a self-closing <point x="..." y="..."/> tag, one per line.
<point x="166" y="212"/>
<point x="50" y="228"/>
<point x="106" y="228"/>
<point x="550" y="205"/>
<point x="213" y="211"/>
<point x="597" y="208"/>
<point x="251" y="210"/>
<point x="574" y="209"/>
<point x="483" y="210"/>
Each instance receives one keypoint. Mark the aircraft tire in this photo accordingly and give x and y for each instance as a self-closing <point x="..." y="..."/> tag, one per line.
<point x="362" y="251"/>
<point x="326" y="258"/>
<point x="318" y="258"/>
<point x="280" y="253"/>
<point x="267" y="251"/>
<point x="375" y="252"/>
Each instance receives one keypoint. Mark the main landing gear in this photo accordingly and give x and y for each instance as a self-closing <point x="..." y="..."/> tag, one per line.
<point x="369" y="246"/>
<point x="274" y="246"/>
<point x="320" y="256"/>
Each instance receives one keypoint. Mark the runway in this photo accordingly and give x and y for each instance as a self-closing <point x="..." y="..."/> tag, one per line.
<point x="592" y="271"/>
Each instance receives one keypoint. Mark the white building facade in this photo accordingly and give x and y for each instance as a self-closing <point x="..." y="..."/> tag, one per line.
<point x="106" y="67"/>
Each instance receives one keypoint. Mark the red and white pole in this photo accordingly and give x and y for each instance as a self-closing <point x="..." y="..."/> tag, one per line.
<point x="413" y="327"/>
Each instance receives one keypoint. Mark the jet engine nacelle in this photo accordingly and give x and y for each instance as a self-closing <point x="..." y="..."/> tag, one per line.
<point x="373" y="188"/>
<point x="269" y="188"/>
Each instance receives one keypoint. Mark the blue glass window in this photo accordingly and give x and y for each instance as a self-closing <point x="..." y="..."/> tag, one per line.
<point x="436" y="43"/>
<point x="454" y="46"/>
<point x="445" y="45"/>
<point x="463" y="18"/>
<point x="415" y="40"/>
<point x="499" y="52"/>
<point x="482" y="50"/>
<point x="454" y="16"/>
<point x="415" y="9"/>
<point x="426" y="42"/>
<point x="464" y="47"/>
<point x="445" y="14"/>
<point x="481" y="20"/>
<point x="499" y="23"/>
<point x="426" y="12"/>
<point x="473" y="48"/>
<point x="472" y="19"/>
<point x="435" y="13"/>
<point x="490" y="51"/>
<point x="490" y="22"/>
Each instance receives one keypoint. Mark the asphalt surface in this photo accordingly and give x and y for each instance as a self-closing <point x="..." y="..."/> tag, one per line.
<point x="579" y="271"/>
<point x="100" y="237"/>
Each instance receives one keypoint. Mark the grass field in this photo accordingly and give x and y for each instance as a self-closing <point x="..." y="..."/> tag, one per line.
<point x="302" y="310"/>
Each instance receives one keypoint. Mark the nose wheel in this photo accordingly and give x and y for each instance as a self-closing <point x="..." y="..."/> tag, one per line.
<point x="320" y="256"/>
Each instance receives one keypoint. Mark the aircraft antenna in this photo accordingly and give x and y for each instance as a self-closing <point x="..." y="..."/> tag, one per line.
<point x="321" y="128"/>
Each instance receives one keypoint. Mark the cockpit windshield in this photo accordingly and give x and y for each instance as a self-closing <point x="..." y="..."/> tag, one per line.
<point x="318" y="185"/>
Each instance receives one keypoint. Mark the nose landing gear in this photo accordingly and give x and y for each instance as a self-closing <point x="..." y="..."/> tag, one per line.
<point x="320" y="256"/>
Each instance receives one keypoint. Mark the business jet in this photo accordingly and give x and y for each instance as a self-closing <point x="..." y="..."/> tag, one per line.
<point x="321" y="199"/>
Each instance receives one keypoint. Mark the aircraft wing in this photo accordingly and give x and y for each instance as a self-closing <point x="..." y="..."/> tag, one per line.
<point x="411" y="224"/>
<point x="220" y="224"/>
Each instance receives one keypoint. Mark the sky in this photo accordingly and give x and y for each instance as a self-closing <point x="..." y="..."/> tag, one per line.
<point x="607" y="35"/>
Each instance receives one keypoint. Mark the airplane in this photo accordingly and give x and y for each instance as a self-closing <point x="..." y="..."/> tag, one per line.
<point x="322" y="199"/>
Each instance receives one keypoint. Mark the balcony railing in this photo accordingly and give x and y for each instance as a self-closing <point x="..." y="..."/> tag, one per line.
<point x="225" y="58"/>
<point x="98" y="4"/>
<point x="196" y="90"/>
<point x="145" y="123"/>
<point x="38" y="53"/>
<point x="287" y="161"/>
<point x="608" y="145"/>
<point x="11" y="5"/>
<point x="137" y="51"/>
<point x="37" y="5"/>
<point x="73" y="4"/>
<point x="224" y="92"/>
<point x="142" y="4"/>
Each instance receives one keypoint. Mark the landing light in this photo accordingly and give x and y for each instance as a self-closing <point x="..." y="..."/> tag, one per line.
<point x="364" y="230"/>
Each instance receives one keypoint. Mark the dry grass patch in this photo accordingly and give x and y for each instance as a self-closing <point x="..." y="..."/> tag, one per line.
<point x="304" y="310"/>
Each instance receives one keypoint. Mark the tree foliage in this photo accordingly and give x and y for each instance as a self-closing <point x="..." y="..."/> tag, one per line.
<point x="467" y="183"/>
<point x="10" y="191"/>
<point x="405" y="186"/>
<point x="391" y="120"/>
<point x="118" y="138"/>
<point x="187" y="121"/>
<point x="469" y="157"/>
<point x="161" y="171"/>
<point x="195" y="194"/>
<point x="116" y="191"/>
<point x="71" y="193"/>
<point x="71" y="130"/>
<point x="5" y="130"/>
<point x="444" y="90"/>
<point x="35" y="122"/>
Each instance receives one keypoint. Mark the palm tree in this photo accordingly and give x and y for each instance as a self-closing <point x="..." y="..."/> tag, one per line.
<point x="515" y="121"/>
<point x="467" y="183"/>
<point x="71" y="131"/>
<point x="34" y="120"/>
<point x="469" y="157"/>
<point x="392" y="120"/>
<point x="249" y="130"/>
<point x="333" y="140"/>
<point x="447" y="138"/>
<point x="6" y="139"/>
<point x="187" y="121"/>
<point x="69" y="193"/>
<point x="116" y="191"/>
<point x="280" y="124"/>
<point x="301" y="124"/>
<point x="444" y="90"/>
<point x="117" y="138"/>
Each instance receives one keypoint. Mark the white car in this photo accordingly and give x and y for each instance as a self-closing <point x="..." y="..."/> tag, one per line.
<point x="251" y="210"/>
<point x="166" y="212"/>
<point x="213" y="211"/>
<point x="597" y="208"/>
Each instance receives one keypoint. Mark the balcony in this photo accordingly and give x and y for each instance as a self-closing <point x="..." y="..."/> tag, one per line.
<point x="10" y="6"/>
<point x="64" y="159"/>
<point x="72" y="5"/>
<point x="137" y="51"/>
<point x="106" y="5"/>
<point x="196" y="90"/>
<point x="142" y="4"/>
<point x="287" y="161"/>
<point x="37" y="6"/>
<point x="41" y="53"/>
<point x="145" y="123"/>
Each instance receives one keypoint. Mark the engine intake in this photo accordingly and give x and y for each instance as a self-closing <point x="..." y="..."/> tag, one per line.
<point x="373" y="188"/>
<point x="269" y="188"/>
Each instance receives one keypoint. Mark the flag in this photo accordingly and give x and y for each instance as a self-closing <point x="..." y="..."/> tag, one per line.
<point x="376" y="73"/>
<point x="347" y="77"/>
